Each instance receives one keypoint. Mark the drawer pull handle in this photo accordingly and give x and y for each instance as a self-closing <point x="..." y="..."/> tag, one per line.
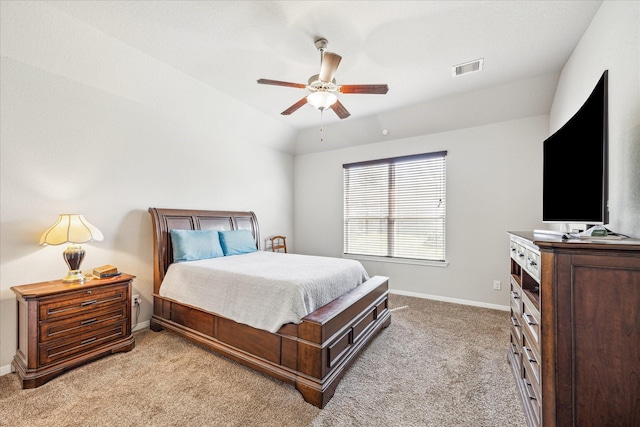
<point x="529" y="356"/>
<point x="520" y="254"/>
<point x="86" y="303"/>
<point x="87" y="322"/>
<point x="515" y="322"/>
<point x="514" y="349"/>
<point x="532" y="263"/>
<point x="527" y="319"/>
<point x="514" y="295"/>
<point x="529" y="391"/>
<point x="87" y="341"/>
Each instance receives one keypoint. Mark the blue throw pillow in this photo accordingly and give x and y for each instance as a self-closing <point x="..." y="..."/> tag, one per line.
<point x="236" y="242"/>
<point x="192" y="245"/>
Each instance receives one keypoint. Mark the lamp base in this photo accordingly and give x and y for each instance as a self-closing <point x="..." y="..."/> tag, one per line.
<point x="74" y="276"/>
<point x="73" y="256"/>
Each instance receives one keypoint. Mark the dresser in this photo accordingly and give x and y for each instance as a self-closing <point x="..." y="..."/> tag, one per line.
<point x="63" y="325"/>
<point x="575" y="330"/>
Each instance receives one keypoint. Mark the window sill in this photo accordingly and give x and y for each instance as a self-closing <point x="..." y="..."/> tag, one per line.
<point x="397" y="260"/>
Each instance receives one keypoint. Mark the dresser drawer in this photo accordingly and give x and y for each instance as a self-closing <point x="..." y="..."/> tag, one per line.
<point x="513" y="249"/>
<point x="58" y="350"/>
<point x="515" y="348"/>
<point x="520" y="254"/>
<point x="534" y="397"/>
<point x="531" y="360"/>
<point x="516" y="327"/>
<point x="76" y="303"/>
<point x="532" y="264"/>
<point x="61" y="329"/>
<point x="531" y="322"/>
<point x="516" y="298"/>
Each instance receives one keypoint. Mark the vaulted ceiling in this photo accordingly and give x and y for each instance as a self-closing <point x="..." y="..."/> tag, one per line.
<point x="409" y="45"/>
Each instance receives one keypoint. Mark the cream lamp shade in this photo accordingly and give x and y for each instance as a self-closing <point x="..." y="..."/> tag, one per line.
<point x="74" y="229"/>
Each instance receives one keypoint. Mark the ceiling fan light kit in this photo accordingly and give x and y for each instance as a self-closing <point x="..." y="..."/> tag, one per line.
<point x="322" y="99"/>
<point x="323" y="88"/>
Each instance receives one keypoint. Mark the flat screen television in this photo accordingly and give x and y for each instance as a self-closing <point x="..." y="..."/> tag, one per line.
<point x="575" y="172"/>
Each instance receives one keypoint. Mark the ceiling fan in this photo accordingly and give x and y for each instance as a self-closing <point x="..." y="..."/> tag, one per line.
<point x="323" y="87"/>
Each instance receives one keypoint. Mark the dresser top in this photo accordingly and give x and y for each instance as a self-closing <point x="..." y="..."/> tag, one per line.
<point x="547" y="241"/>
<point x="36" y="290"/>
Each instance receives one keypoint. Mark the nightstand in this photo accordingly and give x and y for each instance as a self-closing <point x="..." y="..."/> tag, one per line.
<point x="64" y="325"/>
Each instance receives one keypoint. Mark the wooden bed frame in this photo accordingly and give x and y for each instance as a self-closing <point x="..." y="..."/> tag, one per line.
<point x="312" y="355"/>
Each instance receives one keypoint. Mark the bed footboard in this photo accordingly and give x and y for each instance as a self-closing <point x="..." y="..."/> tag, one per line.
<point x="330" y="338"/>
<point x="312" y="356"/>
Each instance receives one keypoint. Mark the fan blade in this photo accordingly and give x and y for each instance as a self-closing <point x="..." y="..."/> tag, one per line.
<point x="375" y="89"/>
<point x="330" y="62"/>
<point x="279" y="83"/>
<point x="339" y="109"/>
<point x="294" y="107"/>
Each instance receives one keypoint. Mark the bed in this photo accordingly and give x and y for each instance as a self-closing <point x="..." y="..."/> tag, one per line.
<point x="312" y="355"/>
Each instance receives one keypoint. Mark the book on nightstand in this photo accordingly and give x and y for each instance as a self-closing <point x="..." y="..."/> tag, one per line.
<point x="105" y="271"/>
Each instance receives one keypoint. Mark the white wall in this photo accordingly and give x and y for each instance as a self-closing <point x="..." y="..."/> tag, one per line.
<point x="92" y="126"/>
<point x="611" y="42"/>
<point x="494" y="185"/>
<point x="509" y="101"/>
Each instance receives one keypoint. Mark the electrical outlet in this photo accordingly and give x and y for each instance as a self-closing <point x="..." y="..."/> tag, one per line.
<point x="136" y="300"/>
<point x="496" y="285"/>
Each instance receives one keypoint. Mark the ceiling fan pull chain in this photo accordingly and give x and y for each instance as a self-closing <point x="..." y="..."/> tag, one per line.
<point x="321" y="125"/>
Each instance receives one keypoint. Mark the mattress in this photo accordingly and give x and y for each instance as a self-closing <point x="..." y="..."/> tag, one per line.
<point x="262" y="289"/>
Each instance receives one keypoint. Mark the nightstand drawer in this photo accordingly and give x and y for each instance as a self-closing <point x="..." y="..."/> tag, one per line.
<point x="61" y="329"/>
<point x="58" y="350"/>
<point x="76" y="303"/>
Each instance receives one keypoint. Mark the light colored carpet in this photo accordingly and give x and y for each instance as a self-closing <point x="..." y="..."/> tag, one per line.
<point x="437" y="364"/>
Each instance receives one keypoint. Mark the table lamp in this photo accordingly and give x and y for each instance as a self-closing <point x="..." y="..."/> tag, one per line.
<point x="71" y="228"/>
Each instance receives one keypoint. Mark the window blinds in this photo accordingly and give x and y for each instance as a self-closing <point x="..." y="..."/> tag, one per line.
<point x="396" y="207"/>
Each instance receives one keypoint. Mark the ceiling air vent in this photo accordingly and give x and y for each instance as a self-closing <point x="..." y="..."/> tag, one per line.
<point x="467" y="67"/>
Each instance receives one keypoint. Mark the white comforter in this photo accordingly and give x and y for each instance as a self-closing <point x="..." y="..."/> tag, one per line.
<point x="262" y="289"/>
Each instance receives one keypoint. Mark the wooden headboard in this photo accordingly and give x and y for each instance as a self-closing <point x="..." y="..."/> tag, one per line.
<point x="183" y="219"/>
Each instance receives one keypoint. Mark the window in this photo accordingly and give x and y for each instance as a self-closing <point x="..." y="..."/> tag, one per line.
<point x="396" y="207"/>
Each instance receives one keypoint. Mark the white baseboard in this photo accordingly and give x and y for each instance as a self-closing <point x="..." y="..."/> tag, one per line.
<point x="452" y="300"/>
<point x="142" y="325"/>
<point x="4" y="370"/>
